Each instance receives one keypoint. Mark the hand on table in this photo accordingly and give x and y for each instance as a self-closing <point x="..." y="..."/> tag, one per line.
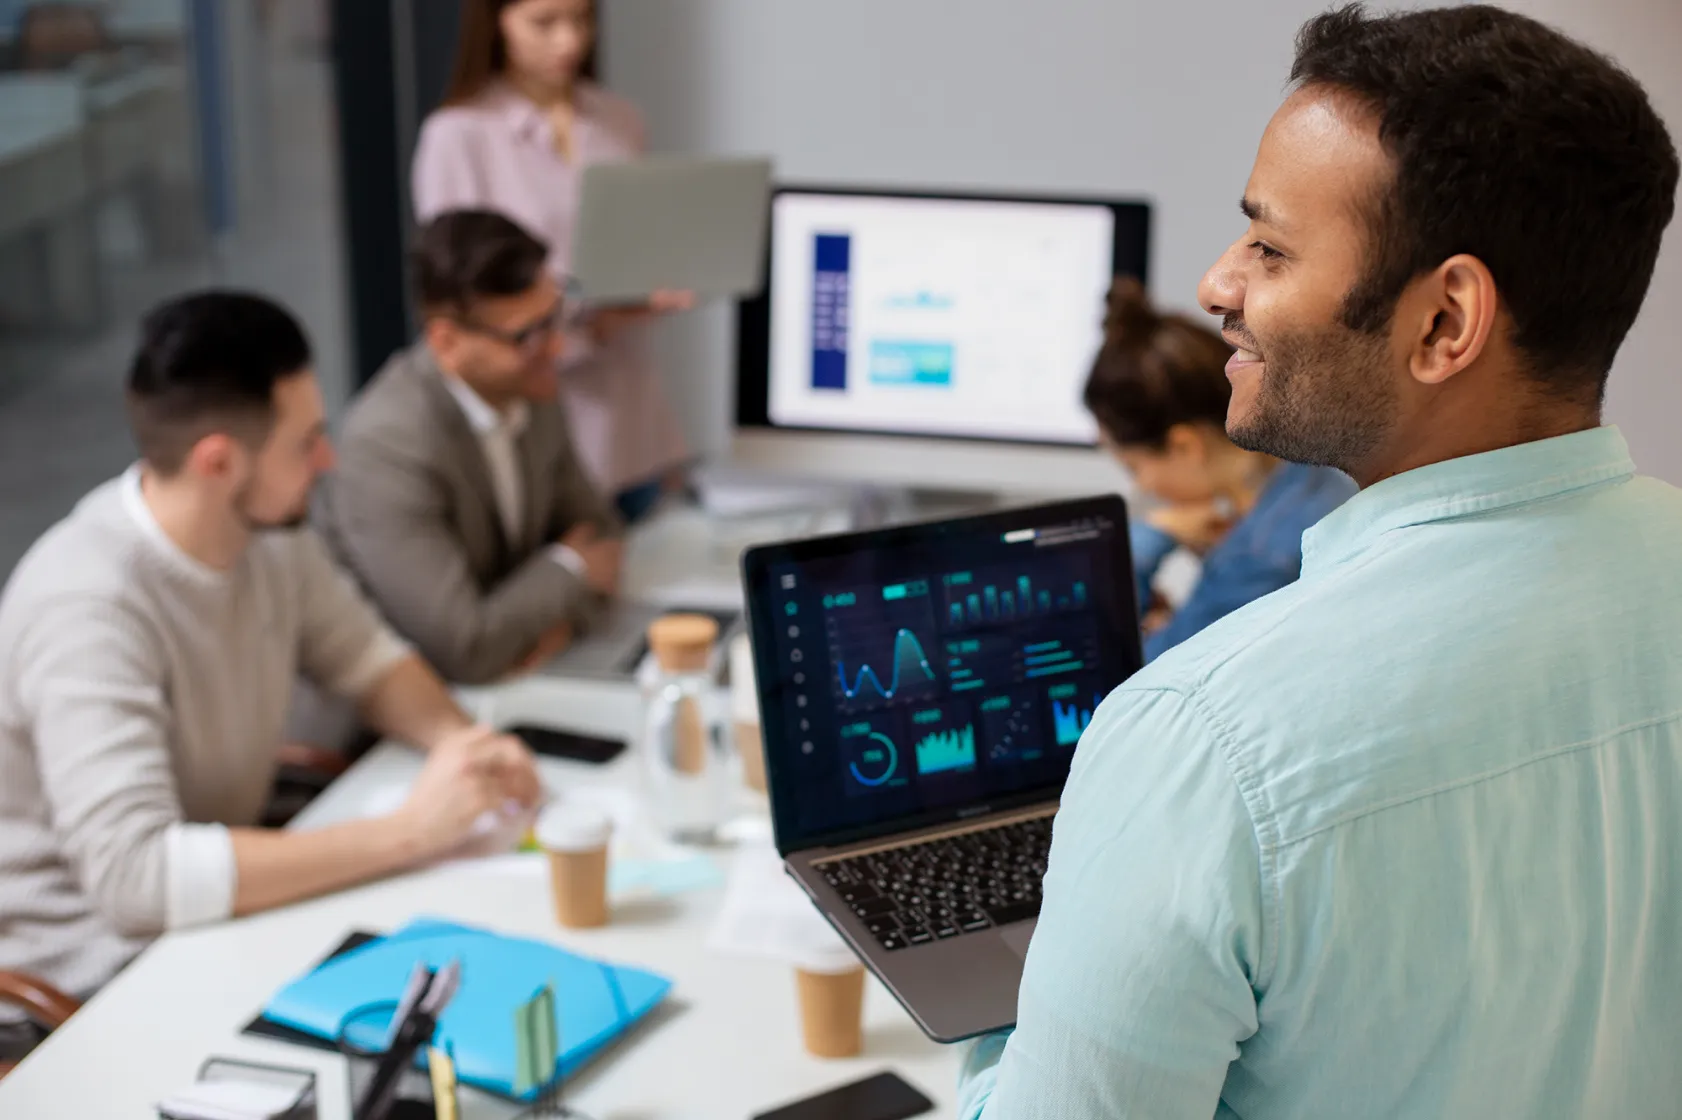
<point x="1198" y="526"/>
<point x="608" y="323"/>
<point x="602" y="557"/>
<point x="1158" y="613"/>
<point x="471" y="773"/>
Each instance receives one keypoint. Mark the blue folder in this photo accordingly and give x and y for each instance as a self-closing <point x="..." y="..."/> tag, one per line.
<point x="353" y="996"/>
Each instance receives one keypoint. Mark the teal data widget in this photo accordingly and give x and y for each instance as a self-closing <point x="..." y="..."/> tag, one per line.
<point x="1011" y="730"/>
<point x="872" y="754"/>
<point x="944" y="738"/>
<point x="879" y="644"/>
<point x="1072" y="708"/>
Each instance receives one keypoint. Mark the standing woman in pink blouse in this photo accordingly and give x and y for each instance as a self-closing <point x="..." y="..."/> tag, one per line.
<point x="520" y="123"/>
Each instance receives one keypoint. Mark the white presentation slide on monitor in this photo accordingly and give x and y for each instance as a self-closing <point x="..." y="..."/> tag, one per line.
<point x="937" y="316"/>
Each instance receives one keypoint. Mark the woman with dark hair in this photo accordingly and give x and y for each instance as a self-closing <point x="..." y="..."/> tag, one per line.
<point x="1159" y="392"/>
<point x="522" y="119"/>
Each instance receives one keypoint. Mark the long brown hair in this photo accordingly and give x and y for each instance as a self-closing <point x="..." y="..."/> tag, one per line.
<point x="1154" y="371"/>
<point x="482" y="56"/>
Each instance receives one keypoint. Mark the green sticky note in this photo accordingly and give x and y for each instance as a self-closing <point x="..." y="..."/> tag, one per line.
<point x="536" y="1044"/>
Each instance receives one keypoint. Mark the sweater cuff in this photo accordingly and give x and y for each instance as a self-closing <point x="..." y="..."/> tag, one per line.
<point x="199" y="874"/>
<point x="567" y="557"/>
<point x="384" y="652"/>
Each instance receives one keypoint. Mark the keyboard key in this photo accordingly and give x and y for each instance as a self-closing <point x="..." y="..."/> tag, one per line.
<point x="893" y="941"/>
<point x="946" y="887"/>
<point x="874" y="907"/>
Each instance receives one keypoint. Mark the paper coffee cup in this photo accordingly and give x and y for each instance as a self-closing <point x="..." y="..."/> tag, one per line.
<point x="751" y="748"/>
<point x="832" y="1011"/>
<point x="574" y="837"/>
<point x="744" y="714"/>
<point x="830" y="983"/>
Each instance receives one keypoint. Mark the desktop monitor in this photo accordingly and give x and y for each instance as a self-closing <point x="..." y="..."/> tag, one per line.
<point x="932" y="340"/>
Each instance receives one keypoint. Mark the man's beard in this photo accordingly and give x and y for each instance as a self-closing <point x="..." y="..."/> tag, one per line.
<point x="254" y="524"/>
<point x="1325" y="398"/>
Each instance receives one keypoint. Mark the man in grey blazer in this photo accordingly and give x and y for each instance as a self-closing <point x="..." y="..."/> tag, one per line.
<point x="459" y="503"/>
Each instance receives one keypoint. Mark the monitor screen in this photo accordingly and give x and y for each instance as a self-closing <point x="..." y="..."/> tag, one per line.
<point x="951" y="316"/>
<point x="922" y="673"/>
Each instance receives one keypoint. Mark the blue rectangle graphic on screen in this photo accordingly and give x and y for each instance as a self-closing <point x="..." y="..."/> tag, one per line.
<point x="832" y="255"/>
<point x="911" y="363"/>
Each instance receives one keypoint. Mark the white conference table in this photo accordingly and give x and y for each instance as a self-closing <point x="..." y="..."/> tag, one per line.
<point x="726" y="1045"/>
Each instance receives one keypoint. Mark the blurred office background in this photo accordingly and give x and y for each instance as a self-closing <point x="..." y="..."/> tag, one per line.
<point x="152" y="146"/>
<point x="148" y="147"/>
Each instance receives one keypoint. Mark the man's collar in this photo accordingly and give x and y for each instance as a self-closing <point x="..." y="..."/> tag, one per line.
<point x="481" y="417"/>
<point x="1472" y="484"/>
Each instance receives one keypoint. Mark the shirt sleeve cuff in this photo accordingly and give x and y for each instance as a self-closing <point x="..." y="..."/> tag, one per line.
<point x="199" y="874"/>
<point x="568" y="558"/>
<point x="978" y="1072"/>
<point x="385" y="651"/>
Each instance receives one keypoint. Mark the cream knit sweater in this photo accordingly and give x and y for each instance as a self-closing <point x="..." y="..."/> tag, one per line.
<point x="142" y="699"/>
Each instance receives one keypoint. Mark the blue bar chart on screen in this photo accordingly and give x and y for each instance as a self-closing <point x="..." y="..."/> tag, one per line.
<point x="1001" y="595"/>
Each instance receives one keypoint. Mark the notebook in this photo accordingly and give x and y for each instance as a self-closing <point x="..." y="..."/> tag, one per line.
<point x="354" y="993"/>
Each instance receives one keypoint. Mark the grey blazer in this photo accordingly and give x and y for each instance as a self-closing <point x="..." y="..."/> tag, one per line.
<point x="410" y="512"/>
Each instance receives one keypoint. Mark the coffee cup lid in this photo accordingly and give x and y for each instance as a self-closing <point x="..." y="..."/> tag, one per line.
<point x="683" y="643"/>
<point x="814" y="946"/>
<point x="570" y="826"/>
<point x="744" y="699"/>
<point x="828" y="959"/>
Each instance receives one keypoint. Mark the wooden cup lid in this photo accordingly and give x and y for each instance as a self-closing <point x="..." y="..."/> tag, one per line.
<point x="683" y="643"/>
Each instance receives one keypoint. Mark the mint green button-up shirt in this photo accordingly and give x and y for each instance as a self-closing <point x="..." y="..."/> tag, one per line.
<point x="1402" y="839"/>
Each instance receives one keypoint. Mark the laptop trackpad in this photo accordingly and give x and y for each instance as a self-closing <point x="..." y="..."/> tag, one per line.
<point x="1017" y="936"/>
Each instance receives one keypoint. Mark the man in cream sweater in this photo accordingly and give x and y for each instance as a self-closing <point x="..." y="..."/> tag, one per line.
<point x="148" y="647"/>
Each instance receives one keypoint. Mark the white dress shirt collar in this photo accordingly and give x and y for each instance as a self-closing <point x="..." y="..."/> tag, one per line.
<point x="481" y="416"/>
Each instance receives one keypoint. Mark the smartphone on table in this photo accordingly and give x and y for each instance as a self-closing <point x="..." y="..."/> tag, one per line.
<point x="885" y="1096"/>
<point x="555" y="742"/>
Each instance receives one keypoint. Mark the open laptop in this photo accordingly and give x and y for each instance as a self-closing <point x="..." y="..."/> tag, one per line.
<point x="672" y="222"/>
<point x="613" y="649"/>
<point x="921" y="691"/>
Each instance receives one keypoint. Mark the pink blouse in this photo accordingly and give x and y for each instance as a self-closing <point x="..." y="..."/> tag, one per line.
<point x="498" y="152"/>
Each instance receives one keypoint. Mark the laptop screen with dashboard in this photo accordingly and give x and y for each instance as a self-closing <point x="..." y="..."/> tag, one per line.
<point x="920" y="674"/>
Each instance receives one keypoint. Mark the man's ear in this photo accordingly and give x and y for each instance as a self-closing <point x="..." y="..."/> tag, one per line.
<point x="215" y="457"/>
<point x="442" y="337"/>
<point x="1452" y="311"/>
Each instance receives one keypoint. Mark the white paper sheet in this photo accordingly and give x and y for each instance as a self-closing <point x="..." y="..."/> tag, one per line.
<point x="766" y="914"/>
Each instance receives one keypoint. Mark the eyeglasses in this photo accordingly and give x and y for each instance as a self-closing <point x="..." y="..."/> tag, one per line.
<point x="529" y="338"/>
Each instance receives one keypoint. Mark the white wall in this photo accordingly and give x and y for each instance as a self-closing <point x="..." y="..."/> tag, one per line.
<point x="1163" y="100"/>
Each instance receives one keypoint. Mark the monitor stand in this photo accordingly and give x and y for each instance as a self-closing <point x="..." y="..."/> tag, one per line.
<point x="736" y="494"/>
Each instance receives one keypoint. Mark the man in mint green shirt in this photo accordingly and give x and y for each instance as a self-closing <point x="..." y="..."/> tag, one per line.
<point x="1405" y="837"/>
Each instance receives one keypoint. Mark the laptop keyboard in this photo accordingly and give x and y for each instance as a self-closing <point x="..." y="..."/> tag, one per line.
<point x="946" y="887"/>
